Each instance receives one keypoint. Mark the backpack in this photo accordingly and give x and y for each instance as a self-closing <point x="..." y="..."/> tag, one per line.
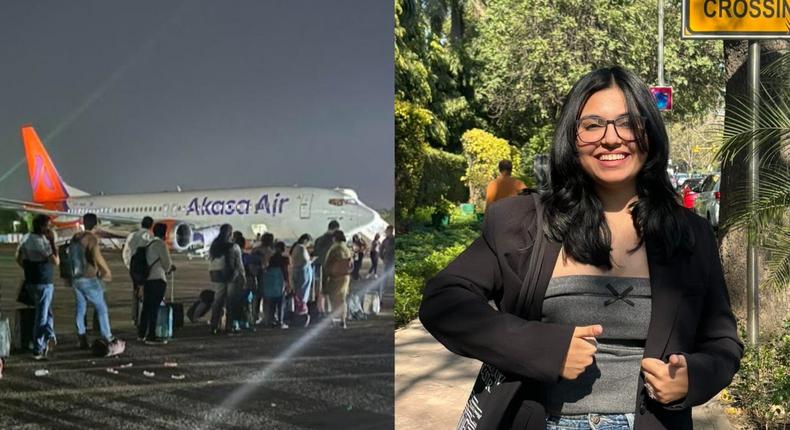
<point x="73" y="263"/>
<point x="138" y="265"/>
<point x="65" y="263"/>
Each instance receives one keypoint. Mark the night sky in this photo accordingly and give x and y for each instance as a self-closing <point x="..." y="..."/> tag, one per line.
<point x="143" y="96"/>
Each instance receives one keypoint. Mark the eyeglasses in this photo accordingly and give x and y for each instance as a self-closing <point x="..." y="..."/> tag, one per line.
<point x="593" y="129"/>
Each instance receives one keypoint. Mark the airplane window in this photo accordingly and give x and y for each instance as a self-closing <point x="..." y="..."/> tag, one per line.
<point x="351" y="202"/>
<point x="336" y="202"/>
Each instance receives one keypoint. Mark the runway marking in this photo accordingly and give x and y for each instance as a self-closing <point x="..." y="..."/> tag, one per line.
<point x="170" y="386"/>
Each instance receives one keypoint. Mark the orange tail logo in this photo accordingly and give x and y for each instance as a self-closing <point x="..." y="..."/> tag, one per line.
<point x="44" y="178"/>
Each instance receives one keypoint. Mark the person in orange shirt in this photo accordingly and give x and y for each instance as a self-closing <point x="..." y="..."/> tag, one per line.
<point x="504" y="185"/>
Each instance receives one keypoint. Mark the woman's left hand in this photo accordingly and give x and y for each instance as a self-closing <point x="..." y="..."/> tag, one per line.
<point x="668" y="382"/>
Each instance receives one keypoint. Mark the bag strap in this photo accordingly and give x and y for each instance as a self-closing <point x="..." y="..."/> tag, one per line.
<point x="151" y="266"/>
<point x="535" y="257"/>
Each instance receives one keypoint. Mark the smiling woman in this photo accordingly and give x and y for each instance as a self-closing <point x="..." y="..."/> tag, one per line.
<point x="613" y="311"/>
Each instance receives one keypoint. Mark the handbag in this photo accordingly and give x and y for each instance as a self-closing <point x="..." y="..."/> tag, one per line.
<point x="490" y="402"/>
<point x="24" y="296"/>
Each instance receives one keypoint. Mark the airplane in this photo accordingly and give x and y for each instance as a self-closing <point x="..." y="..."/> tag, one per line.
<point x="193" y="218"/>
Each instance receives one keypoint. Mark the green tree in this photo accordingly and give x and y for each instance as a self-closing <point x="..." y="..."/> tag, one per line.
<point x="7" y="219"/>
<point x="533" y="51"/>
<point x="411" y="123"/>
<point x="483" y="152"/>
<point x="694" y="144"/>
<point x="768" y="219"/>
<point x="442" y="178"/>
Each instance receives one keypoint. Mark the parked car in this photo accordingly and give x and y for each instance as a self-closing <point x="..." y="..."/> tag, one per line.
<point x="708" y="197"/>
<point x="692" y="183"/>
<point x="681" y="178"/>
<point x="689" y="196"/>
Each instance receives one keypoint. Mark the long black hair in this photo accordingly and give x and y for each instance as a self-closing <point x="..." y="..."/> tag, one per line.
<point x="40" y="224"/>
<point x="303" y="239"/>
<point x="574" y="214"/>
<point x="222" y="242"/>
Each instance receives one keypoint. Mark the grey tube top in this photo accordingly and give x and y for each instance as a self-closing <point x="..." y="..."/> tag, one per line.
<point x="622" y="306"/>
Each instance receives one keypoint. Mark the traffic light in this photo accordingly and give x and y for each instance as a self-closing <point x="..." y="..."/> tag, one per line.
<point x="663" y="96"/>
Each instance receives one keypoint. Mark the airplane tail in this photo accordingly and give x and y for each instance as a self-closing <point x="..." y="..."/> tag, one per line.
<point x="45" y="182"/>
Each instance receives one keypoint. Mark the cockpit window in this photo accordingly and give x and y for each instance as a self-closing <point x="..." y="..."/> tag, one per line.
<point x="341" y="202"/>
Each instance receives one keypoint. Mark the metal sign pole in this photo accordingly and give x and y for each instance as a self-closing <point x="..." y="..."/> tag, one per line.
<point x="752" y="272"/>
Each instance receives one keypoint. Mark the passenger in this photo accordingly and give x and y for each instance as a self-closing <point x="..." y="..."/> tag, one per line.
<point x="504" y="185"/>
<point x="245" y="286"/>
<point x="387" y="252"/>
<point x="158" y="258"/>
<point x="359" y="248"/>
<point x="37" y="255"/>
<point x="337" y="264"/>
<point x="302" y="276"/>
<point x="320" y="250"/>
<point x="261" y="254"/>
<point x="374" y="257"/>
<point x="89" y="287"/>
<point x="276" y="285"/>
<point x="225" y="266"/>
<point x="138" y="238"/>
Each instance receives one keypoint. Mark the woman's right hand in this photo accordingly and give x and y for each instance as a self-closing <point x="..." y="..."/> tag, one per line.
<point x="581" y="351"/>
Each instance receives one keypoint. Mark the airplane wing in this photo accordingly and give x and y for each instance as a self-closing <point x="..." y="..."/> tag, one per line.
<point x="38" y="208"/>
<point x="194" y="235"/>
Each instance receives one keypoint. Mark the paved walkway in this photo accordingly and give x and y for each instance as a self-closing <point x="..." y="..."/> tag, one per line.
<point x="432" y="385"/>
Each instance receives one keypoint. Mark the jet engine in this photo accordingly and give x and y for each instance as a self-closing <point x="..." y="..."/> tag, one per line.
<point x="184" y="237"/>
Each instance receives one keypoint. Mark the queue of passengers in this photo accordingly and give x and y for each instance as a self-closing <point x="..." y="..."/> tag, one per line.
<point x="84" y="269"/>
<point x="268" y="284"/>
<point x="281" y="284"/>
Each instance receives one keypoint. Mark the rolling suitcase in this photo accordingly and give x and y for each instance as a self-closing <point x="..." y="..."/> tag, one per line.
<point x="177" y="308"/>
<point x="164" y="322"/>
<point x="170" y="315"/>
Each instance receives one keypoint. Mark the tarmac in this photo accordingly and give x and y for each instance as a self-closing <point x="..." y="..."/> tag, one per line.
<point x="432" y="385"/>
<point x="319" y="377"/>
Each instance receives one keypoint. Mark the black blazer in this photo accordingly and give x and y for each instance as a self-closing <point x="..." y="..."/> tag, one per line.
<point x="691" y="313"/>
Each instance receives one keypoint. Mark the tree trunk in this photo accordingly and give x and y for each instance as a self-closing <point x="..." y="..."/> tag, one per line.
<point x="735" y="180"/>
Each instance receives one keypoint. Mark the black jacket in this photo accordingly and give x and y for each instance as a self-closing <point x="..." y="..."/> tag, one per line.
<point x="691" y="314"/>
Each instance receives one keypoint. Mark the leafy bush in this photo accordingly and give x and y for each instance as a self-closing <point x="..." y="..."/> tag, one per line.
<point x="420" y="254"/>
<point x="483" y="153"/>
<point x="408" y="292"/>
<point x="761" y="388"/>
<point x="411" y="122"/>
<point x="442" y="175"/>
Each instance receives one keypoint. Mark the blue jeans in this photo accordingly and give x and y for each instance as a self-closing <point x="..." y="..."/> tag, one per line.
<point x="302" y="281"/>
<point x="44" y="325"/>
<point x="591" y="422"/>
<point x="91" y="290"/>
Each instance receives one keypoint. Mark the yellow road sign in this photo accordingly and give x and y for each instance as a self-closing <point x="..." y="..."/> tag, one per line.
<point x="736" y="19"/>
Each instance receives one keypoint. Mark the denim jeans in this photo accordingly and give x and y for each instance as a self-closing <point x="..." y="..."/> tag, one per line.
<point x="225" y="299"/>
<point x="591" y="422"/>
<point x="275" y="310"/>
<point x="43" y="325"/>
<point x="91" y="290"/>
